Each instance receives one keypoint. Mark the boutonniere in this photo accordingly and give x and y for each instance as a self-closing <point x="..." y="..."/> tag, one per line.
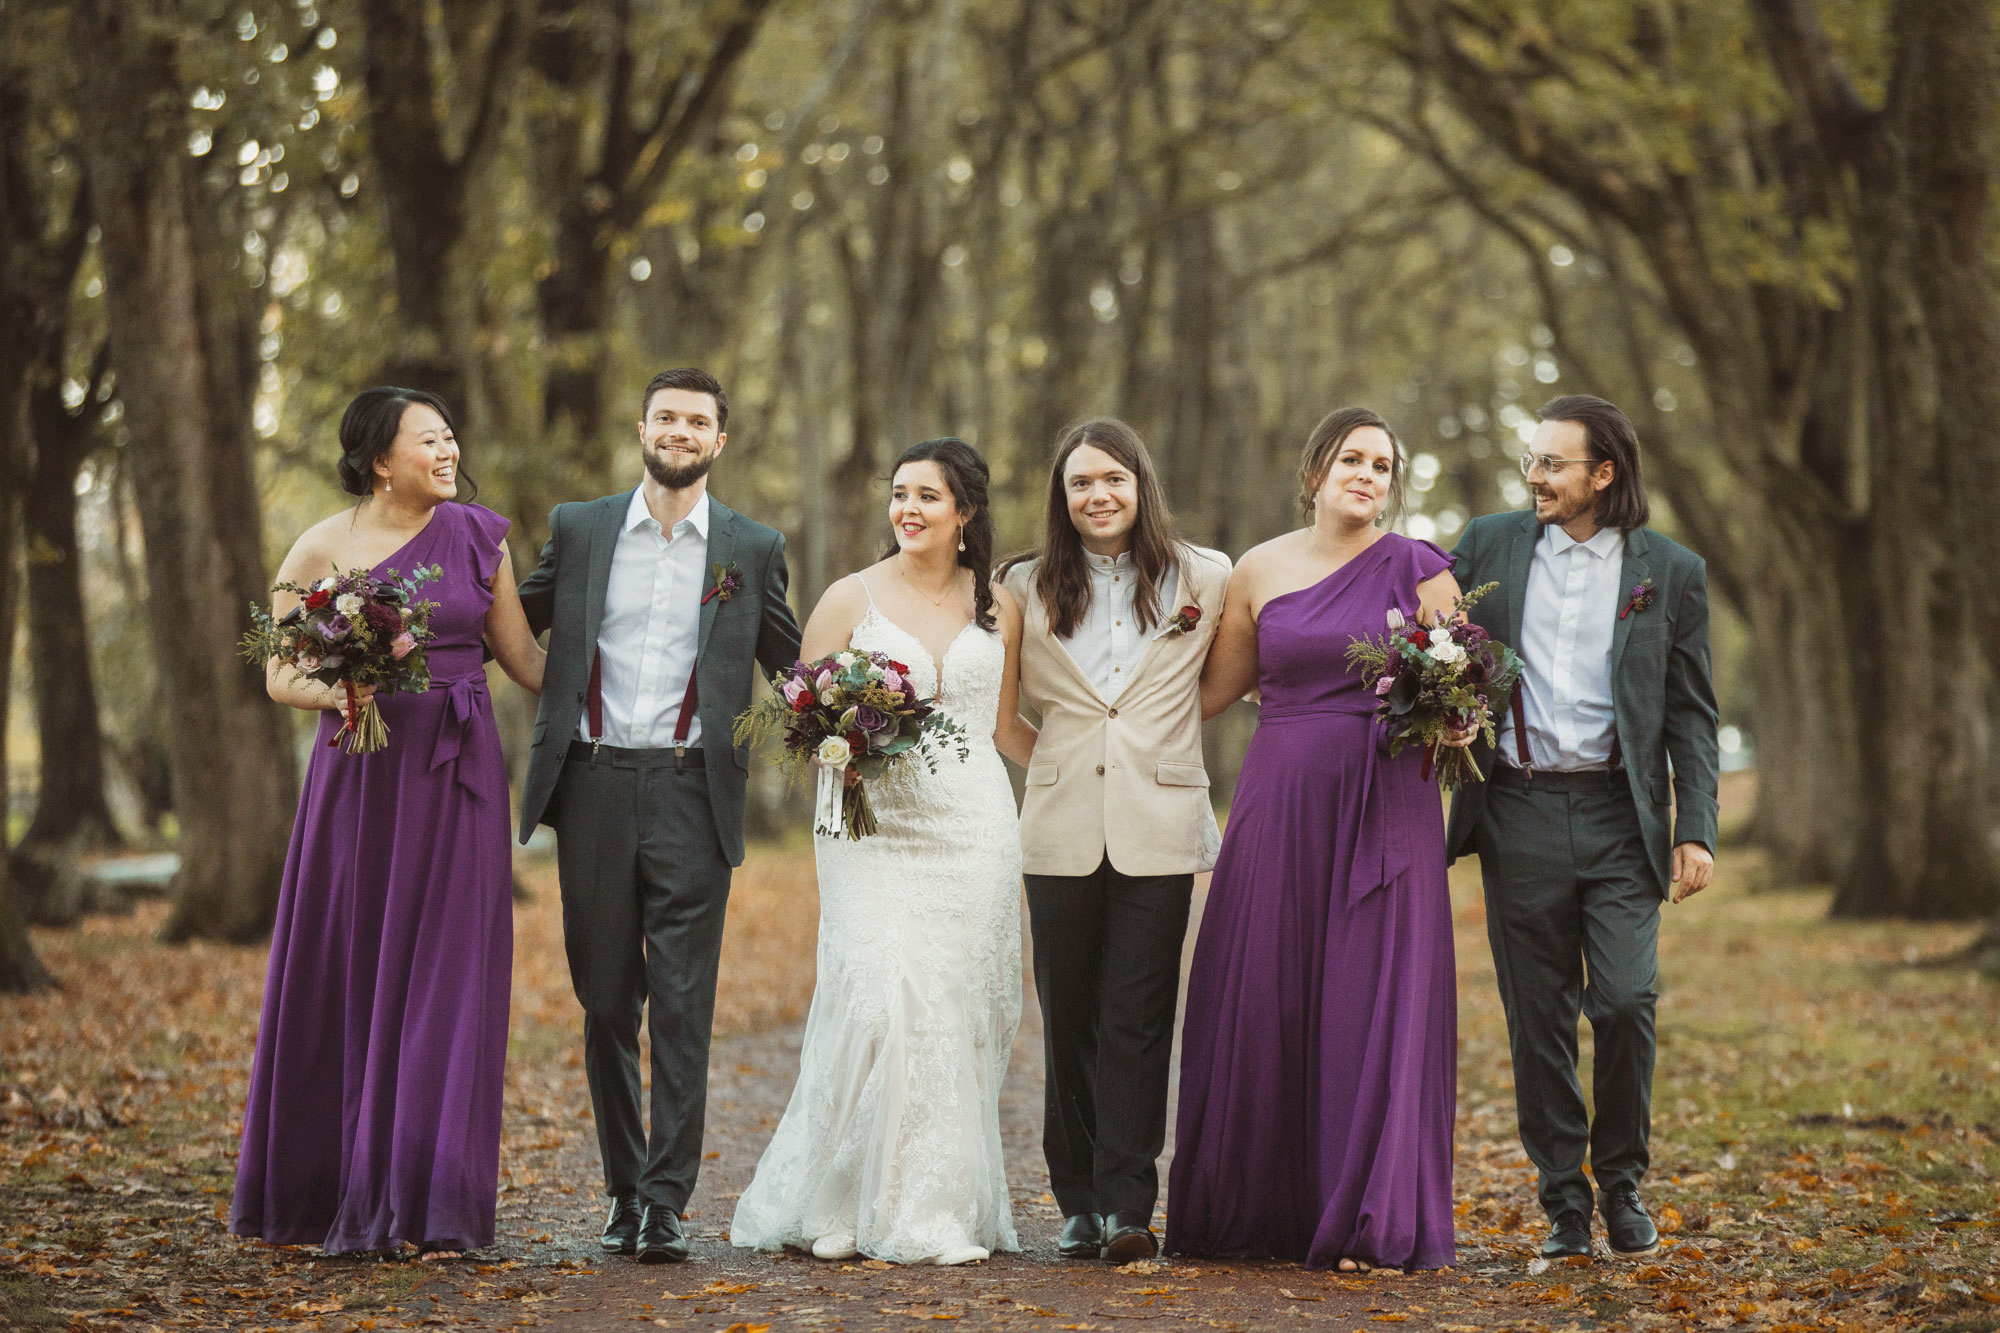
<point x="1183" y="620"/>
<point x="1642" y="596"/>
<point x="728" y="578"/>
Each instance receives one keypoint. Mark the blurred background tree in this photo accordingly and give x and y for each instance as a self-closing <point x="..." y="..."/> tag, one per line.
<point x="1763" y="226"/>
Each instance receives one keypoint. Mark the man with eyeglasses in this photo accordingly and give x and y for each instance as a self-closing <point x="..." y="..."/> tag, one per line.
<point x="1600" y="805"/>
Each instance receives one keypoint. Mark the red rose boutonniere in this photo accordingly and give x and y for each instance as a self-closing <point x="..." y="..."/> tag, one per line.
<point x="1183" y="620"/>
<point x="728" y="578"/>
<point x="1642" y="597"/>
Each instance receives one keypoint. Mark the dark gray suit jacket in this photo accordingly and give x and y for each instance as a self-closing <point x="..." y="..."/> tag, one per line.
<point x="1663" y="696"/>
<point x="755" y="625"/>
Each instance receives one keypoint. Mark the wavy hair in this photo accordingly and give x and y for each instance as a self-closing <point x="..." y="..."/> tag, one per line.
<point x="967" y="476"/>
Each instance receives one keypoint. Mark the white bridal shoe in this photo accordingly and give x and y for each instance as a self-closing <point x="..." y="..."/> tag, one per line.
<point x="963" y="1254"/>
<point x="837" y="1247"/>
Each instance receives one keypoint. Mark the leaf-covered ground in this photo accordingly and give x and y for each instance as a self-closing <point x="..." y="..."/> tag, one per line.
<point x="1825" y="1144"/>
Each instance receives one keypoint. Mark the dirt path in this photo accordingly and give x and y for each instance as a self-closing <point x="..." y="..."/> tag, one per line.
<point x="564" y="1282"/>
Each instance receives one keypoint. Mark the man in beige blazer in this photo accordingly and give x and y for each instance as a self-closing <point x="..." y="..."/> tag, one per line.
<point x="1118" y="616"/>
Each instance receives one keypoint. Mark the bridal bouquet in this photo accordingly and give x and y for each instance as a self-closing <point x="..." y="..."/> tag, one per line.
<point x="352" y="629"/>
<point x="1434" y="680"/>
<point x="852" y="709"/>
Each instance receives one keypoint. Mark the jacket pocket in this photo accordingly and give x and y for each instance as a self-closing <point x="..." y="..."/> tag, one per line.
<point x="1042" y="775"/>
<point x="1181" y="775"/>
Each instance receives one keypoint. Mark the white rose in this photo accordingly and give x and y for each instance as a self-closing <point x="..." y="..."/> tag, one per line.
<point x="834" y="752"/>
<point x="829" y="698"/>
<point x="1446" y="650"/>
<point x="348" y="603"/>
<point x="845" y="659"/>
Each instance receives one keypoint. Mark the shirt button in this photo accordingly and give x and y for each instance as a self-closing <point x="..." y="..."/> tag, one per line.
<point x="1100" y="770"/>
<point x="1114" y="712"/>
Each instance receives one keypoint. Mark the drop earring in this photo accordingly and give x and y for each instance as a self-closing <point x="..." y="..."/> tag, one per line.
<point x="389" y="486"/>
<point x="961" y="539"/>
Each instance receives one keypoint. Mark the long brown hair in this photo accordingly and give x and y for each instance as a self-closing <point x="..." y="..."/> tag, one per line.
<point x="1063" y="579"/>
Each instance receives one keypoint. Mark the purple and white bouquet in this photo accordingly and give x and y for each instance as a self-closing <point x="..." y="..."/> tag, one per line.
<point x="352" y="629"/>
<point x="1438" y="680"/>
<point x="852" y="710"/>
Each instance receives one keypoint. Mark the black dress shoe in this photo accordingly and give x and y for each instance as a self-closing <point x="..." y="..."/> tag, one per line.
<point x="1569" y="1236"/>
<point x="621" y="1226"/>
<point x="1082" y="1237"/>
<point x="1128" y="1237"/>
<point x="662" y="1239"/>
<point x="1626" y="1225"/>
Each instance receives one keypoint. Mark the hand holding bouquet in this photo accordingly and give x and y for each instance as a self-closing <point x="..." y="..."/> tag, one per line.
<point x="851" y="710"/>
<point x="1438" y="681"/>
<point x="351" y="630"/>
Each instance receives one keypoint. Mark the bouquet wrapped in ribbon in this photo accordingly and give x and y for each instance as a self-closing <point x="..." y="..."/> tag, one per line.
<point x="851" y="710"/>
<point x="348" y="630"/>
<point x="1438" y="680"/>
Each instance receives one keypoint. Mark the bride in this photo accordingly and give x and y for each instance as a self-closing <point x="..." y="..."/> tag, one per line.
<point x="891" y="1144"/>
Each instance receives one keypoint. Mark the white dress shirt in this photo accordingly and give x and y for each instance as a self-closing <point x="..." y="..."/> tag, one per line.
<point x="1569" y="610"/>
<point x="1107" y="643"/>
<point x="651" y="627"/>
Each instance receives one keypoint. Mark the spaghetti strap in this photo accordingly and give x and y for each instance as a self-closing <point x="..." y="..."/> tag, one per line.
<point x="862" y="579"/>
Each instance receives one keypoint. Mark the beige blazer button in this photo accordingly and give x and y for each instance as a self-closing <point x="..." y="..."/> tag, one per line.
<point x="1100" y="770"/>
<point x="1114" y="712"/>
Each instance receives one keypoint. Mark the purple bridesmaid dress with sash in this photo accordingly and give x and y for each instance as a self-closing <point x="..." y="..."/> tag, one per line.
<point x="374" y="1107"/>
<point x="1319" y="1054"/>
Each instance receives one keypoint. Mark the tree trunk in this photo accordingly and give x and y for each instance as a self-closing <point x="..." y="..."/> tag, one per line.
<point x="20" y="970"/>
<point x="1922" y="678"/>
<point x="71" y="814"/>
<point x="182" y="376"/>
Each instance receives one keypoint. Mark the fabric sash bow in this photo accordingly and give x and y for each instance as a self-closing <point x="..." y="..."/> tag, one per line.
<point x="461" y="740"/>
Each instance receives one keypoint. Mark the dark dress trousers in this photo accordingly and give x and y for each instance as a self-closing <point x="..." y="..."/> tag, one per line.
<point x="1575" y="866"/>
<point x="646" y="839"/>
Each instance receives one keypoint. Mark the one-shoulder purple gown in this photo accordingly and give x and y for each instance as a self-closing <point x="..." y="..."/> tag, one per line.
<point x="1319" y="1055"/>
<point x="374" y="1108"/>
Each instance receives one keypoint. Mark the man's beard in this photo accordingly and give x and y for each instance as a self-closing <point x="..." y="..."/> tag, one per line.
<point x="677" y="478"/>
<point x="1563" y="511"/>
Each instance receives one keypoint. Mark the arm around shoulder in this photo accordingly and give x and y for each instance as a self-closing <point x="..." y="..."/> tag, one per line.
<point x="538" y="591"/>
<point x="778" y="638"/>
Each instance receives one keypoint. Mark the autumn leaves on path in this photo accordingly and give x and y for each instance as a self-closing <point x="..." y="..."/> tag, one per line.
<point x="1824" y="1151"/>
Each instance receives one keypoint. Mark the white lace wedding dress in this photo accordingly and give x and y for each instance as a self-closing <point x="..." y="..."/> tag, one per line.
<point x="892" y="1135"/>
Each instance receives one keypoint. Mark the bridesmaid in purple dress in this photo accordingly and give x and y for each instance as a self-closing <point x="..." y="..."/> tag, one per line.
<point x="374" y="1110"/>
<point x="1319" y="1054"/>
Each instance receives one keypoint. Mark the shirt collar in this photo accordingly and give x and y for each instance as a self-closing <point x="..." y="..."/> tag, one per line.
<point x="636" y="513"/>
<point x="1109" y="564"/>
<point x="1601" y="544"/>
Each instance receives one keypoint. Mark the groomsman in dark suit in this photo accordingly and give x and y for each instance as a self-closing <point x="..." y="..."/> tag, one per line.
<point x="662" y="600"/>
<point x="1600" y="805"/>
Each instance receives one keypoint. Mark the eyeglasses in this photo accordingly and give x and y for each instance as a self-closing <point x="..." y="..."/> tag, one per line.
<point x="1550" y="464"/>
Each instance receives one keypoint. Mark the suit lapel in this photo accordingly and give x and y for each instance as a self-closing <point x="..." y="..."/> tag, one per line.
<point x="1636" y="569"/>
<point x="1040" y="619"/>
<point x="605" y="525"/>
<point x="1519" y="558"/>
<point x="1185" y="594"/>
<point x="721" y="552"/>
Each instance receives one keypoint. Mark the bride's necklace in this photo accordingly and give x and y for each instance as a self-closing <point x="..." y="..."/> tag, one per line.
<point x="917" y="588"/>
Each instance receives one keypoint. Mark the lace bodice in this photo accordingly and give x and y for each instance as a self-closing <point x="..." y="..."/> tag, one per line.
<point x="966" y="683"/>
